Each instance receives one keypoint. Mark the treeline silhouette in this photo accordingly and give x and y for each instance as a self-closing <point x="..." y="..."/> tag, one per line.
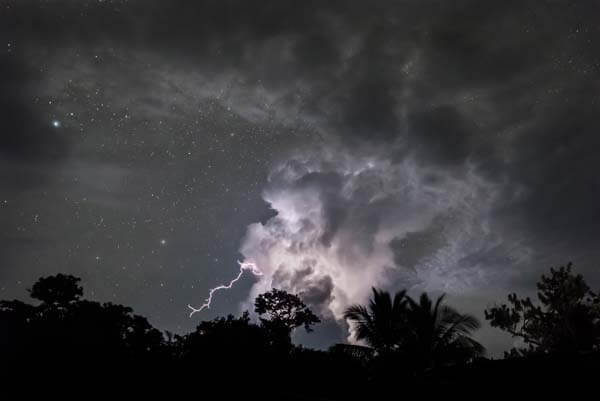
<point x="75" y="348"/>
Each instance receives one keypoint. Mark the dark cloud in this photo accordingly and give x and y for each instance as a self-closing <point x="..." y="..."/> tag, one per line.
<point x="27" y="133"/>
<point x="390" y="117"/>
<point x="415" y="246"/>
<point x="442" y="134"/>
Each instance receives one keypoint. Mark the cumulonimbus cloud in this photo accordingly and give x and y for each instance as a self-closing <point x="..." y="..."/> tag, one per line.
<point x="344" y="224"/>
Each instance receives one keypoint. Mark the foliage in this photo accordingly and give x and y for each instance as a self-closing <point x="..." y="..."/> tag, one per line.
<point x="426" y="333"/>
<point x="567" y="318"/>
<point x="224" y="338"/>
<point x="416" y="341"/>
<point x="284" y="310"/>
<point x="437" y="334"/>
<point x="66" y="327"/>
<point x="59" y="289"/>
<point x="380" y="324"/>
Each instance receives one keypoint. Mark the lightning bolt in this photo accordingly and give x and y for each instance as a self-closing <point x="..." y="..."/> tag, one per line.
<point x="251" y="267"/>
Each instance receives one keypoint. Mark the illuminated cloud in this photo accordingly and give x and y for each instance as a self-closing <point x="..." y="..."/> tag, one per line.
<point x="345" y="224"/>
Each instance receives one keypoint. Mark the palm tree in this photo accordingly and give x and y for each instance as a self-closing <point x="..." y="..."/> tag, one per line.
<point x="380" y="324"/>
<point x="438" y="334"/>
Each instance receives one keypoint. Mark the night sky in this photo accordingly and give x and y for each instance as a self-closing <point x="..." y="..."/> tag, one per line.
<point x="147" y="146"/>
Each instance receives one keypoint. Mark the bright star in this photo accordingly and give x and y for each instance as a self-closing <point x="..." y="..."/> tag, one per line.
<point x="163" y="241"/>
<point x="56" y="124"/>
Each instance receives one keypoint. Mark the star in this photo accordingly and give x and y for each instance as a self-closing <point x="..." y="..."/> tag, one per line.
<point x="56" y="124"/>
<point x="163" y="241"/>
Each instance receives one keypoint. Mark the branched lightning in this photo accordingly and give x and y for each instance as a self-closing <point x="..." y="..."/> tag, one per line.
<point x="243" y="267"/>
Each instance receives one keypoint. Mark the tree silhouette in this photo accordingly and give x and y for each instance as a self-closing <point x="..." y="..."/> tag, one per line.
<point x="567" y="318"/>
<point x="280" y="313"/>
<point x="380" y="324"/>
<point x="60" y="289"/>
<point x="437" y="334"/>
<point x="424" y="332"/>
<point x="285" y="309"/>
<point x="221" y="342"/>
<point x="65" y="328"/>
<point x="410" y="342"/>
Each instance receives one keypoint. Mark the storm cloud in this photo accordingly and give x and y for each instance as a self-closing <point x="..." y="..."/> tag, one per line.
<point x="427" y="145"/>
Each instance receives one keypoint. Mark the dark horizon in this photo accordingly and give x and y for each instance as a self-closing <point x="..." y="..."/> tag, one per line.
<point x="148" y="146"/>
<point x="406" y="344"/>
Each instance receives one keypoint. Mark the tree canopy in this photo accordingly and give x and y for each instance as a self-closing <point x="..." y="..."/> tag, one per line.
<point x="566" y="317"/>
<point x="278" y="307"/>
<point x="424" y="332"/>
<point x="409" y="340"/>
<point x="59" y="289"/>
<point x="67" y="327"/>
<point x="380" y="324"/>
